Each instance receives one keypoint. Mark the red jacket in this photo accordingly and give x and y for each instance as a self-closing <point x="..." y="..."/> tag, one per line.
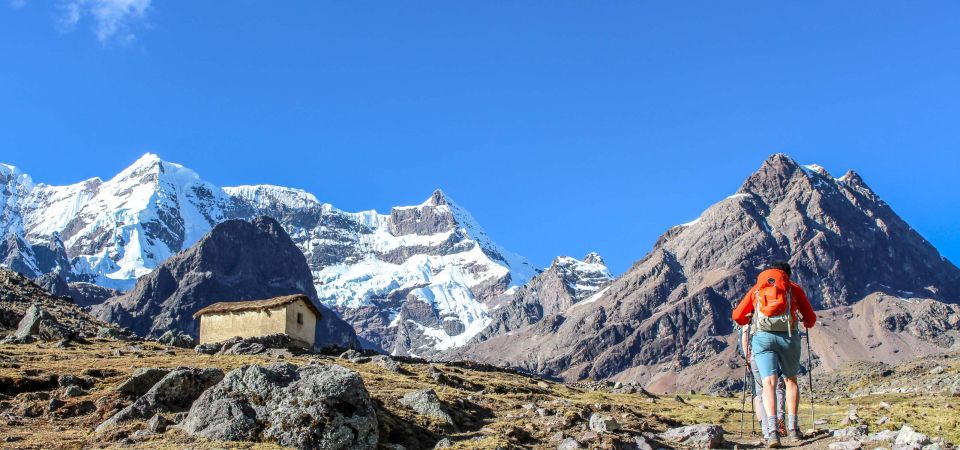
<point x="799" y="304"/>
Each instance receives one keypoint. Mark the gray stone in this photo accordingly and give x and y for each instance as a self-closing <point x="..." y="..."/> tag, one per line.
<point x="174" y="392"/>
<point x="909" y="439"/>
<point x="569" y="444"/>
<point x="40" y="324"/>
<point x="157" y="424"/>
<point x="73" y="391"/>
<point x="177" y="339"/>
<point x="697" y="436"/>
<point x="845" y="445"/>
<point x="443" y="443"/>
<point x="112" y="333"/>
<point x="386" y="362"/>
<point x="603" y="423"/>
<point x="856" y="432"/>
<point x="142" y="380"/>
<point x="54" y="404"/>
<point x="317" y="406"/>
<point x="883" y="436"/>
<point x="426" y="402"/>
<point x="642" y="443"/>
<point x="936" y="370"/>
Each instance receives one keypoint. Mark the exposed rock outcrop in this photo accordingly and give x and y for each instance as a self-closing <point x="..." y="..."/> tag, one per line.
<point x="311" y="407"/>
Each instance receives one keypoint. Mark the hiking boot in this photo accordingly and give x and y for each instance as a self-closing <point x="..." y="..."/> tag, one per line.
<point x="794" y="434"/>
<point x="773" y="441"/>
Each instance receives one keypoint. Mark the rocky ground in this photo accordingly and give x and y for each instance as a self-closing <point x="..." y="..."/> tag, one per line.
<point x="53" y="397"/>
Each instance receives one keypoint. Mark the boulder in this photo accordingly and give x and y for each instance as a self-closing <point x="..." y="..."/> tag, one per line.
<point x="142" y="380"/>
<point x="317" y="406"/>
<point x="175" y="392"/>
<point x="72" y="391"/>
<point x="697" y="436"/>
<point x="386" y="362"/>
<point x="177" y="340"/>
<point x="856" y="432"/>
<point x="426" y="402"/>
<point x="569" y="444"/>
<point x="909" y="439"/>
<point x="157" y="424"/>
<point x="113" y="333"/>
<point x="883" y="436"/>
<point x="40" y="324"/>
<point x="603" y="423"/>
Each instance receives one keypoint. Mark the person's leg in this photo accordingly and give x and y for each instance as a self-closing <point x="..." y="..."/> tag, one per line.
<point x="758" y="397"/>
<point x="762" y="348"/>
<point x="793" y="396"/>
<point x="790" y="365"/>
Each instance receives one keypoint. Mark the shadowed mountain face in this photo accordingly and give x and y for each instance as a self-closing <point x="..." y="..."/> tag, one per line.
<point x="236" y="260"/>
<point x="665" y="321"/>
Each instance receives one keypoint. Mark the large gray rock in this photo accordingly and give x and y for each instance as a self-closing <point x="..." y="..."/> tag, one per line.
<point x="177" y="339"/>
<point x="142" y="380"/>
<point x="312" y="407"/>
<point x="696" y="436"/>
<point x="40" y="324"/>
<point x="910" y="439"/>
<point x="856" y="432"/>
<point x="175" y="392"/>
<point x="426" y="402"/>
<point x="603" y="423"/>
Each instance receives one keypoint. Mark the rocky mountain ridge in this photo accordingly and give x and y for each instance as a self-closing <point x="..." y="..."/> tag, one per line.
<point x="666" y="322"/>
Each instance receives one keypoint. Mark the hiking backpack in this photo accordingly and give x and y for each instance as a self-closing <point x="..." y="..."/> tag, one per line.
<point x="773" y="308"/>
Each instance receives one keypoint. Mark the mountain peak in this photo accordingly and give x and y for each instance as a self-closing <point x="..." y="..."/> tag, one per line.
<point x="594" y="258"/>
<point x="782" y="160"/>
<point x="816" y="168"/>
<point x="438" y="198"/>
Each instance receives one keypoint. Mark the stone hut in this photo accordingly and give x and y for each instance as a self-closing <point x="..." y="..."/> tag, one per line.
<point x="293" y="315"/>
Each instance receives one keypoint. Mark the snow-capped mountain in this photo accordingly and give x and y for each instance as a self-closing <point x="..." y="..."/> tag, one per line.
<point x="423" y="272"/>
<point x="568" y="282"/>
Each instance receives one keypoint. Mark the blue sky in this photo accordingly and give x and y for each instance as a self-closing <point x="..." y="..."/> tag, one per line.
<point x="564" y="127"/>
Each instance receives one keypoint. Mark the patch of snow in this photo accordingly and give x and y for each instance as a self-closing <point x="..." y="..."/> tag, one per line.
<point x="690" y="223"/>
<point x="591" y="299"/>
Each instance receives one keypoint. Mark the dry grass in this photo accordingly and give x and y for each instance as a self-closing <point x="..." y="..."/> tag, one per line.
<point x="488" y="419"/>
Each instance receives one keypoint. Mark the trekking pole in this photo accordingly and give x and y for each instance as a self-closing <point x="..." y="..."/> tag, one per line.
<point x="813" y="414"/>
<point x="753" y="412"/>
<point x="743" y="397"/>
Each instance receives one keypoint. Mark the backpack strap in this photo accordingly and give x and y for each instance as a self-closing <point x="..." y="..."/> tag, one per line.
<point x="789" y="310"/>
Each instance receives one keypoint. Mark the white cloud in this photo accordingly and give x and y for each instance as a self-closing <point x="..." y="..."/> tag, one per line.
<point x="112" y="19"/>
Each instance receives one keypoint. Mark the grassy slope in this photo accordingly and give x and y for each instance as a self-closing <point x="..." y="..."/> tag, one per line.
<point x="495" y="417"/>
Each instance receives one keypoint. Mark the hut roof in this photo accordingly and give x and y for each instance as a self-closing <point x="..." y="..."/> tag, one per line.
<point x="225" y="307"/>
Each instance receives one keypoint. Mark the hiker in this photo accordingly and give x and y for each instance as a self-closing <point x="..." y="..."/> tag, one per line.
<point x="772" y="305"/>
<point x="758" y="387"/>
